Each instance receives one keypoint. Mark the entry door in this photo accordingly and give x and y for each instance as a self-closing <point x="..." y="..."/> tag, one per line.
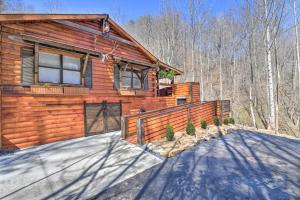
<point x="102" y="117"/>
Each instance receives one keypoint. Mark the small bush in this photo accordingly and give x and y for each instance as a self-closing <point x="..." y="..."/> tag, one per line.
<point x="190" y="128"/>
<point x="203" y="124"/>
<point x="216" y="121"/>
<point x="170" y="133"/>
<point x="226" y="121"/>
<point x="231" y="120"/>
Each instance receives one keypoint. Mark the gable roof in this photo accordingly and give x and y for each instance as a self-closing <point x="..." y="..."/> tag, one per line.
<point x="41" y="17"/>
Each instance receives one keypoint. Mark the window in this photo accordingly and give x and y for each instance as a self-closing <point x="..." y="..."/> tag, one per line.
<point x="181" y="101"/>
<point x="59" y="69"/>
<point x="131" y="79"/>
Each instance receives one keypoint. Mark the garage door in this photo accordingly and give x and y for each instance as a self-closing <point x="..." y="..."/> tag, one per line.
<point x="102" y="117"/>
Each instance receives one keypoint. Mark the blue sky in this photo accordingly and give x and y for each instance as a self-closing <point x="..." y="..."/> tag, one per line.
<point x="123" y="9"/>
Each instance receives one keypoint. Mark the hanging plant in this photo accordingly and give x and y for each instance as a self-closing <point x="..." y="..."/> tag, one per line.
<point x="169" y="74"/>
<point x="162" y="74"/>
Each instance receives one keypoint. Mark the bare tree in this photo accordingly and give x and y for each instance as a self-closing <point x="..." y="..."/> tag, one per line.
<point x="233" y="55"/>
<point x="15" y="6"/>
<point x="53" y="6"/>
<point x="2" y="6"/>
<point x="297" y="54"/>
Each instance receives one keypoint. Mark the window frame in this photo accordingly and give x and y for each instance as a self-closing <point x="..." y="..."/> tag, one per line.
<point x="60" y="68"/>
<point x="132" y="71"/>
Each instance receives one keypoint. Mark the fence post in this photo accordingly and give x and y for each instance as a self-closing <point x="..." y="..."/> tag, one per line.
<point x="189" y="113"/>
<point x="124" y="127"/>
<point x="221" y="111"/>
<point x="85" y="118"/>
<point x="140" y="131"/>
<point x="216" y="108"/>
<point x="191" y="93"/>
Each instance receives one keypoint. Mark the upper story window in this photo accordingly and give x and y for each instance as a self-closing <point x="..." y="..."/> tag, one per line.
<point x="131" y="79"/>
<point x="59" y="69"/>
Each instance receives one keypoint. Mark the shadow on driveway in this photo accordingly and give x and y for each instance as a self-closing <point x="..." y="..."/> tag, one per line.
<point x="75" y="169"/>
<point x="243" y="165"/>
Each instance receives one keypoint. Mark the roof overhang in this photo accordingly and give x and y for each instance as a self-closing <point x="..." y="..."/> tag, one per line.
<point x="166" y="66"/>
<point x="10" y="18"/>
<point x="39" y="17"/>
<point x="60" y="45"/>
<point x="118" y="59"/>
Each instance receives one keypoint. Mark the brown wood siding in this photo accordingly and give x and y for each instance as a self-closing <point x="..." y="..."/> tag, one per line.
<point x="155" y="126"/>
<point x="38" y="115"/>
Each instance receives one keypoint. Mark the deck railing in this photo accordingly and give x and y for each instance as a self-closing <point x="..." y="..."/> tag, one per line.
<point x="147" y="127"/>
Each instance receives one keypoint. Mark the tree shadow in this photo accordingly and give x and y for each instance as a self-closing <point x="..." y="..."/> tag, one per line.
<point x="230" y="167"/>
<point x="86" y="171"/>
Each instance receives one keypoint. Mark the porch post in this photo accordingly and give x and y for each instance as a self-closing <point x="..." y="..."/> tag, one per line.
<point x="124" y="127"/>
<point x="140" y="131"/>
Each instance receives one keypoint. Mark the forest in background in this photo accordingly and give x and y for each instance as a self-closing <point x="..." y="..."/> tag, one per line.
<point x="248" y="54"/>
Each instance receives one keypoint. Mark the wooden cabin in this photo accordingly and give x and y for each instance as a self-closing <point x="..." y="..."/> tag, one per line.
<point x="75" y="75"/>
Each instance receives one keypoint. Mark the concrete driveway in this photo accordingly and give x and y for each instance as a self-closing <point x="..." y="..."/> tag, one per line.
<point x="243" y="165"/>
<point x="74" y="169"/>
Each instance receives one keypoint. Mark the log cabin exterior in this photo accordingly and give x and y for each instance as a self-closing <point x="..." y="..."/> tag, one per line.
<point x="59" y="73"/>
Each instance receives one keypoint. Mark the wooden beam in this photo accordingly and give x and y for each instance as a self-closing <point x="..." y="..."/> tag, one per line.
<point x="85" y="64"/>
<point x="93" y="31"/>
<point x="84" y="68"/>
<point x="120" y="59"/>
<point x="36" y="62"/>
<point x="60" y="45"/>
<point x="39" y="17"/>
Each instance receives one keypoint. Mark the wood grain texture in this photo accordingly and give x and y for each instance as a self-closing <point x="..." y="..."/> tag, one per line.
<point x="155" y="125"/>
<point x="38" y="115"/>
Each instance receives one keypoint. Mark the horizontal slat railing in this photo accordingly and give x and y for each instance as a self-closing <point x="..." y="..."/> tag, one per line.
<point x="150" y="126"/>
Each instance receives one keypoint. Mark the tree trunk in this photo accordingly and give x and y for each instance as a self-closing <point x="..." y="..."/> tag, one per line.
<point x="221" y="85"/>
<point x="269" y="70"/>
<point x="277" y="90"/>
<point x="201" y="78"/>
<point x="234" y="86"/>
<point x="193" y="66"/>
<point x="251" y="84"/>
<point x="297" y="56"/>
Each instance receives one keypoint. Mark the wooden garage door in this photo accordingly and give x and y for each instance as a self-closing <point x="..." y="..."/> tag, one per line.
<point x="102" y="117"/>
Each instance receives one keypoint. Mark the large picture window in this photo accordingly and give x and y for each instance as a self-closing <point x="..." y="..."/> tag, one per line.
<point x="131" y="79"/>
<point x="59" y="69"/>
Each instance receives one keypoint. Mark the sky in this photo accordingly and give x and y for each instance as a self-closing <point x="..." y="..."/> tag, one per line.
<point x="124" y="10"/>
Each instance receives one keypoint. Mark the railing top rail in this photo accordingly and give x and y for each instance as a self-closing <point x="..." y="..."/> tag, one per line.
<point x="153" y="111"/>
<point x="174" y="109"/>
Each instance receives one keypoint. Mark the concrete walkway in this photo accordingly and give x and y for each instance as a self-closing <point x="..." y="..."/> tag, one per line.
<point x="242" y="165"/>
<point x="74" y="169"/>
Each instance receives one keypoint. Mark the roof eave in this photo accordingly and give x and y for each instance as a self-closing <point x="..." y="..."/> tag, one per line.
<point x="39" y="17"/>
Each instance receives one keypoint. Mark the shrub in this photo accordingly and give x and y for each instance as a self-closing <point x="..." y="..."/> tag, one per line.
<point x="190" y="128"/>
<point x="216" y="121"/>
<point x="170" y="133"/>
<point x="231" y="120"/>
<point x="226" y="121"/>
<point x="203" y="124"/>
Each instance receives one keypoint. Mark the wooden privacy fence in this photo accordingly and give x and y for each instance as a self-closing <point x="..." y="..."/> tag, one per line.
<point x="146" y="127"/>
